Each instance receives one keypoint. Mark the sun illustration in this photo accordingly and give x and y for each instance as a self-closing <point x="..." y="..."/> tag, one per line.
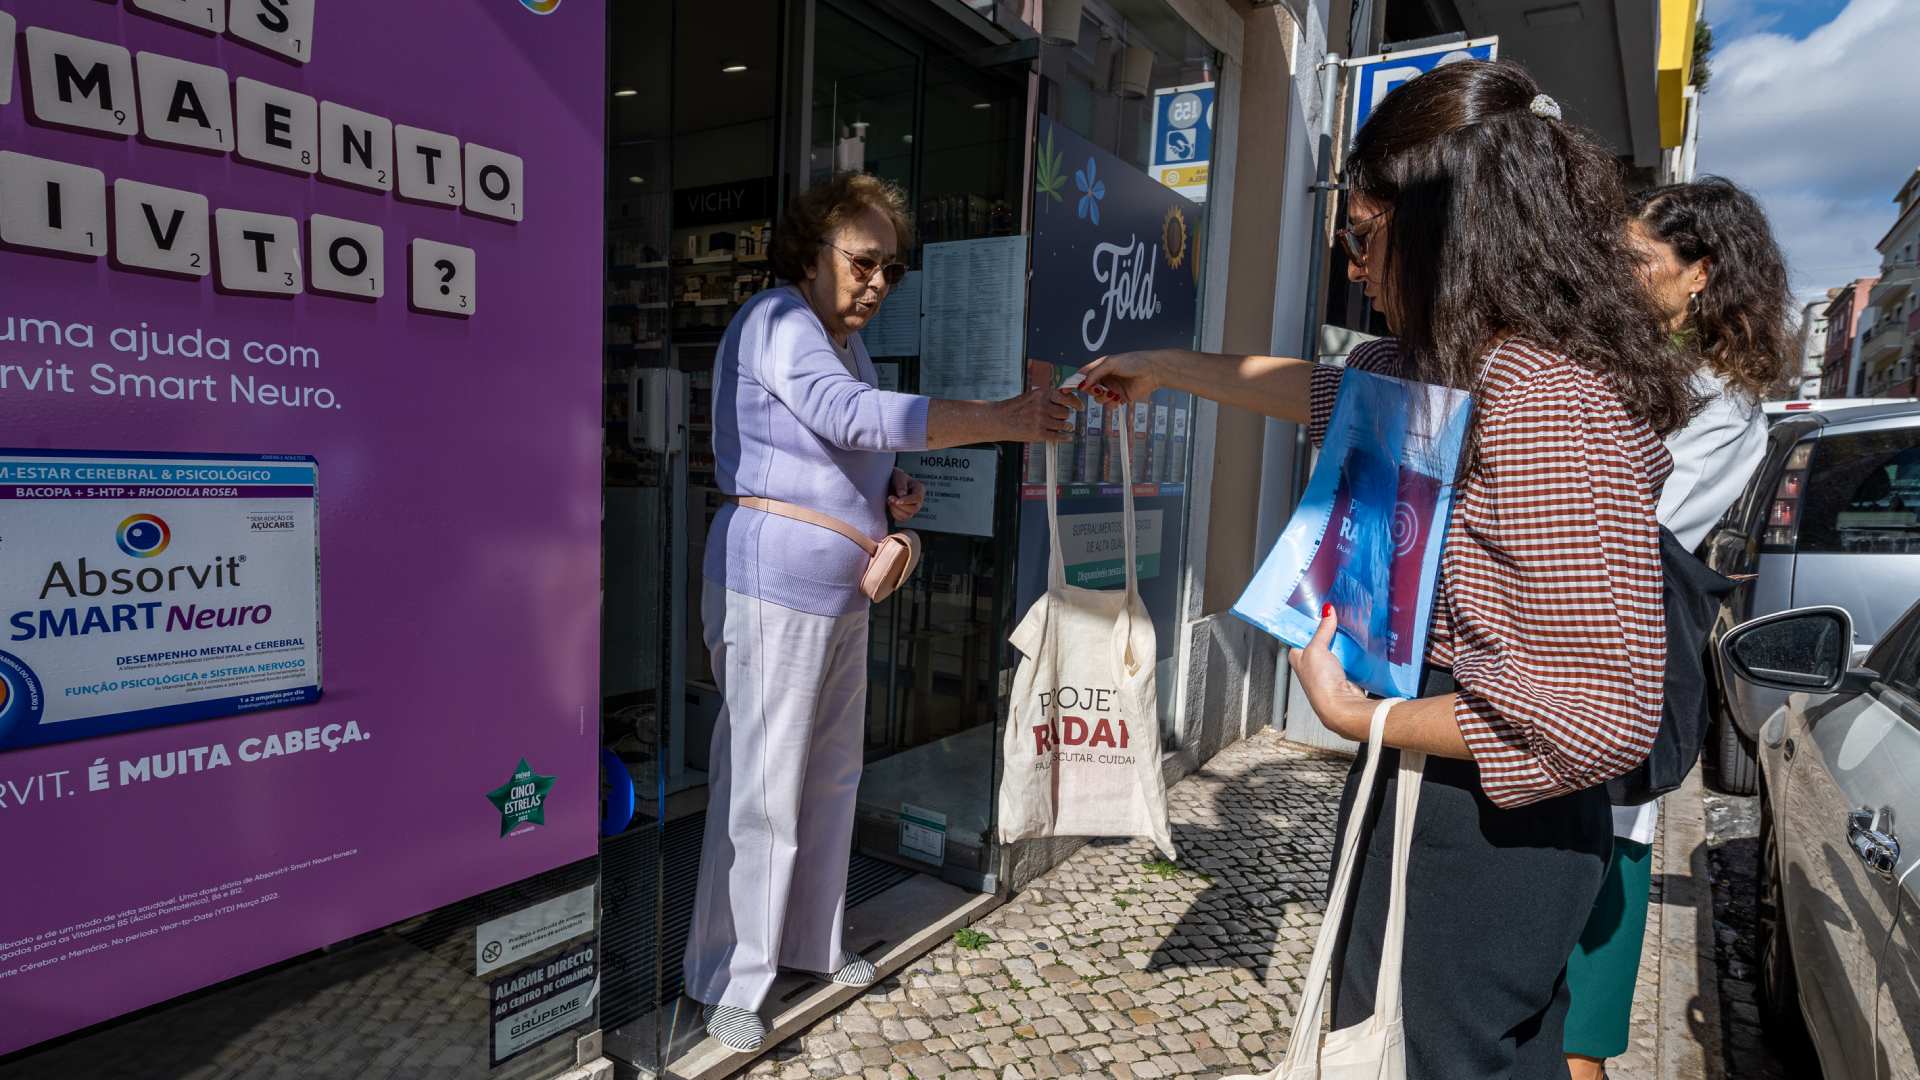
<point x="1173" y="237"/>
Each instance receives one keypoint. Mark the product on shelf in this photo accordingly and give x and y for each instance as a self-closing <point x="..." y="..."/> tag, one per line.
<point x="1160" y="446"/>
<point x="1177" y="468"/>
<point x="1089" y="441"/>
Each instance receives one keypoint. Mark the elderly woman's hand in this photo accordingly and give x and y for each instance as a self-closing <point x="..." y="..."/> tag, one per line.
<point x="1043" y="414"/>
<point x="906" y="497"/>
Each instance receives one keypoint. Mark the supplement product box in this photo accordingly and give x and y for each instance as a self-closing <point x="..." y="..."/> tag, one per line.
<point x="1142" y="435"/>
<point x="1160" y="447"/>
<point x="1089" y="445"/>
<point x="1177" y="467"/>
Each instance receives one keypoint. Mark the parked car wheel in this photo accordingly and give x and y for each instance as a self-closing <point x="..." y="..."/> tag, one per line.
<point x="1734" y="771"/>
<point x="1779" y="986"/>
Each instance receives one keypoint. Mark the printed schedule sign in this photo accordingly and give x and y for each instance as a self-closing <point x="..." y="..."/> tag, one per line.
<point x="141" y="591"/>
<point x="300" y="326"/>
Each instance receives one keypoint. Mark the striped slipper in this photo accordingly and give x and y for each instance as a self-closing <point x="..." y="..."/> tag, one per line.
<point x="855" y="972"/>
<point x="735" y="1027"/>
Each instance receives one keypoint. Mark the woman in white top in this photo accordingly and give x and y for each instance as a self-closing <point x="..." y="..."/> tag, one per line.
<point x="1712" y="266"/>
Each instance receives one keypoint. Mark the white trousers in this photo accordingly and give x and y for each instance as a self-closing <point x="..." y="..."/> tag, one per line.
<point x="784" y="774"/>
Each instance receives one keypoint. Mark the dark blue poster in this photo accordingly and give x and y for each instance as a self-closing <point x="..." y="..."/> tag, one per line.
<point x="1116" y="263"/>
<point x="1115" y="268"/>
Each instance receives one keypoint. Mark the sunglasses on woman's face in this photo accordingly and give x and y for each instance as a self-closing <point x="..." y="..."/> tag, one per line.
<point x="1355" y="241"/>
<point x="864" y="267"/>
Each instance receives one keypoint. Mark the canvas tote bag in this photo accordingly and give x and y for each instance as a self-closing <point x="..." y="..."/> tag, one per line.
<point x="1373" y="1049"/>
<point x="1082" y="744"/>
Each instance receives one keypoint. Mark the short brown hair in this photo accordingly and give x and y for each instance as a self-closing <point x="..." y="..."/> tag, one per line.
<point x="812" y="217"/>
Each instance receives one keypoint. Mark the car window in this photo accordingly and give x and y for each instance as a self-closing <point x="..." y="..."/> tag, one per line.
<point x="1863" y="494"/>
<point x="1899" y="666"/>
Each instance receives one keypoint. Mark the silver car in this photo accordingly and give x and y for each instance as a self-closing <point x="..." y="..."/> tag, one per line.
<point x="1832" y="516"/>
<point x="1839" y="909"/>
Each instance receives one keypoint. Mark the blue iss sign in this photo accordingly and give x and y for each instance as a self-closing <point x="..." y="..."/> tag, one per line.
<point x="1374" y="77"/>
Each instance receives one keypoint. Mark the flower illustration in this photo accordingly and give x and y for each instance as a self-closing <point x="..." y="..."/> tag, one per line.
<point x="1092" y="190"/>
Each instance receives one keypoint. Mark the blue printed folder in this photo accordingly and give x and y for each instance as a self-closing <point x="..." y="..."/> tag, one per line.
<point x="1367" y="535"/>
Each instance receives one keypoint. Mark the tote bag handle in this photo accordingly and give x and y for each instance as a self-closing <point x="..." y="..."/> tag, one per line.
<point x="1057" y="571"/>
<point x="1309" y="1024"/>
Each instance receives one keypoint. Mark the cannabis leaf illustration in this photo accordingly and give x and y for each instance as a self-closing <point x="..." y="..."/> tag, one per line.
<point x="1048" y="177"/>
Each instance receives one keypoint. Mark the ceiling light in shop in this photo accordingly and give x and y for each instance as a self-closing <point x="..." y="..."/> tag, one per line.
<point x="983" y="104"/>
<point x="636" y="179"/>
<point x="733" y="69"/>
<point x="626" y="93"/>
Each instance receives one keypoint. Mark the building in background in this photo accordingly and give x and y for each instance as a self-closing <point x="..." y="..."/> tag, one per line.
<point x="1805" y="379"/>
<point x="1845" y="316"/>
<point x="1887" y="349"/>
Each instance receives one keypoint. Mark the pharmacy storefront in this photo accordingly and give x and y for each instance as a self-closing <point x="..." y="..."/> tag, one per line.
<point x="355" y="381"/>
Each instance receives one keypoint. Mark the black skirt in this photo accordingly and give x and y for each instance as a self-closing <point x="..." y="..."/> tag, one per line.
<point x="1496" y="900"/>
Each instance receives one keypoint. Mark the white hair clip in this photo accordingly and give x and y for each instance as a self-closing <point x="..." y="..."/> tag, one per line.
<point x="1544" y="107"/>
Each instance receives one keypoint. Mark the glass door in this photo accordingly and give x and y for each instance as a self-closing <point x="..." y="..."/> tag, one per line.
<point x="951" y="134"/>
<point x="644" y="456"/>
<point x="691" y="144"/>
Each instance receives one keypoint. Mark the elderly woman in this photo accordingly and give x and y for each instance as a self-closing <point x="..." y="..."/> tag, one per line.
<point x="797" y="419"/>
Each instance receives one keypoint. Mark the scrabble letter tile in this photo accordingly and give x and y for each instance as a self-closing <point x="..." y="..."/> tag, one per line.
<point x="443" y="278"/>
<point x="161" y="228"/>
<point x="356" y="147"/>
<point x="348" y="257"/>
<point x="83" y="83"/>
<point x="259" y="253"/>
<point x="278" y="127"/>
<point x="52" y="205"/>
<point x="494" y="183"/>
<point x="429" y="165"/>
<point x="183" y="103"/>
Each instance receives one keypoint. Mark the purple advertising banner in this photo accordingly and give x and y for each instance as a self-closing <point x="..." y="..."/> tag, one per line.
<point x="356" y="237"/>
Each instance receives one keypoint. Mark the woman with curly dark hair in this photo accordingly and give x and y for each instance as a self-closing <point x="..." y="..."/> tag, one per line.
<point x="1492" y="234"/>
<point x="1712" y="268"/>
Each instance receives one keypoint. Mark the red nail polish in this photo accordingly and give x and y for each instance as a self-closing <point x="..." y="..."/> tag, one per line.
<point x="1326" y="611"/>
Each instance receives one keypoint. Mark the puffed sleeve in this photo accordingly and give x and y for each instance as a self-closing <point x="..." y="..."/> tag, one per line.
<point x="1380" y="356"/>
<point x="1554" y="586"/>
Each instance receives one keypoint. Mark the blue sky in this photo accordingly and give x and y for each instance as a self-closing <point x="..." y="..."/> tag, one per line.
<point x="1737" y="18"/>
<point x="1815" y="107"/>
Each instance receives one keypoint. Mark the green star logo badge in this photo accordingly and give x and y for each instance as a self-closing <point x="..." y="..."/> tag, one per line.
<point x="522" y="800"/>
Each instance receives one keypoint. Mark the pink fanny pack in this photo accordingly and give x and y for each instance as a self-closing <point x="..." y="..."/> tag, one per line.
<point x="890" y="559"/>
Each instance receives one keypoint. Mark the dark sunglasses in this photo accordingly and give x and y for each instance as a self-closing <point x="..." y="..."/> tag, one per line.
<point x="1356" y="242"/>
<point x="864" y="267"/>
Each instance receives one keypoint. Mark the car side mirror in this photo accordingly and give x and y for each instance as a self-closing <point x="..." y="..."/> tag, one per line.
<point x="1806" y="650"/>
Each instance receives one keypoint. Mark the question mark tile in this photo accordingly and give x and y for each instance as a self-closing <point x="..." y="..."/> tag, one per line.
<point x="278" y="127"/>
<point x="429" y="165"/>
<point x="443" y="278"/>
<point x="103" y="105"/>
<point x="161" y="228"/>
<point x="52" y="205"/>
<point x="6" y="58"/>
<point x="347" y="257"/>
<point x="259" y="253"/>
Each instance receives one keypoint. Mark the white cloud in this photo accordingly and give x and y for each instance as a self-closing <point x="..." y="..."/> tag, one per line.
<point x="1822" y="129"/>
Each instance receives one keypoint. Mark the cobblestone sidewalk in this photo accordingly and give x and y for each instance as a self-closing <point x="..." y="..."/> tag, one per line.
<point x="1116" y="964"/>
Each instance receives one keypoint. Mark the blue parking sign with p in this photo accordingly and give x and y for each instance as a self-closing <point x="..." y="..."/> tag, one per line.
<point x="1374" y="77"/>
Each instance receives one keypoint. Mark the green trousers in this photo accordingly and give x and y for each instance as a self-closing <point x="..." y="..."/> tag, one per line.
<point x="1605" y="965"/>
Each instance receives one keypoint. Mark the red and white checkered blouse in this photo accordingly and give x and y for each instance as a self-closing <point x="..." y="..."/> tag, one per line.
<point x="1549" y="608"/>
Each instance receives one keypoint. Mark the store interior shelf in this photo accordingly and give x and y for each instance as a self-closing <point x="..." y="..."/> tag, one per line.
<point x="657" y="305"/>
<point x="635" y="268"/>
<point x="1104" y="491"/>
<point x="709" y="262"/>
<point x="649" y="346"/>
